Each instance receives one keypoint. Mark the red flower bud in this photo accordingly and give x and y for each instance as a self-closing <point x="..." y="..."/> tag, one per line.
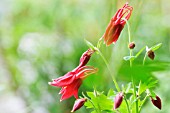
<point x="86" y="57"/>
<point x="118" y="100"/>
<point x="131" y="45"/>
<point x="151" y="54"/>
<point x="157" y="102"/>
<point x="78" y="104"/>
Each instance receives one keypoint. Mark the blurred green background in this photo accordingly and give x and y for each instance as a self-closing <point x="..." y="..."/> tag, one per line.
<point x="43" y="39"/>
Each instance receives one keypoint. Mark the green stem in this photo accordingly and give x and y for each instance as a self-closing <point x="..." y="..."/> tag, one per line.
<point x="90" y="102"/>
<point x="131" y="52"/>
<point x="144" y="58"/>
<point x="93" y="105"/>
<point x="134" y="88"/>
<point x="144" y="100"/>
<point x="129" y="37"/>
<point x="127" y="104"/>
<point x="113" y="78"/>
<point x="130" y="59"/>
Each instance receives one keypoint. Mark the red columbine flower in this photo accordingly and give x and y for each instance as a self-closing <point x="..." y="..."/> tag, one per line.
<point x="78" y="104"/>
<point x="71" y="81"/>
<point x="157" y="102"/>
<point x="116" y="24"/>
<point x="118" y="100"/>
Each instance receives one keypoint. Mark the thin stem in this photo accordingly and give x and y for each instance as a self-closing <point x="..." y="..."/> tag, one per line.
<point x="127" y="104"/>
<point x="134" y="88"/>
<point x="90" y="102"/>
<point x="144" y="100"/>
<point x="144" y="58"/>
<point x="130" y="57"/>
<point x="114" y="80"/>
<point x="93" y="105"/>
<point x="131" y="52"/>
<point x="129" y="37"/>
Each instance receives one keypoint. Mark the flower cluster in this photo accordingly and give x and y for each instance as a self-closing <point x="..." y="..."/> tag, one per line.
<point x="71" y="81"/>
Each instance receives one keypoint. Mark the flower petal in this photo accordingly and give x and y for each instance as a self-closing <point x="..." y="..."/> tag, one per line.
<point x="64" y="80"/>
<point x="85" y="71"/>
<point x="71" y="89"/>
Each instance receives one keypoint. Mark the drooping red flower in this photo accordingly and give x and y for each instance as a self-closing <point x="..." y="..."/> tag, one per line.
<point x="118" y="100"/>
<point x="116" y="24"/>
<point x="78" y="104"/>
<point x="72" y="80"/>
<point x="157" y="102"/>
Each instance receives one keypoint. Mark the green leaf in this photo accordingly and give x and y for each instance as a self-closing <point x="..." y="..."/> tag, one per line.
<point x="128" y="88"/>
<point x="129" y="58"/>
<point x="123" y="88"/>
<point x="123" y="107"/>
<point x="152" y="94"/>
<point x="126" y="58"/>
<point x="91" y="94"/>
<point x="89" y="44"/>
<point x="143" y="86"/>
<point x="100" y="101"/>
<point x="94" y="111"/>
<point x="155" y="47"/>
<point x="110" y="93"/>
<point x="88" y="104"/>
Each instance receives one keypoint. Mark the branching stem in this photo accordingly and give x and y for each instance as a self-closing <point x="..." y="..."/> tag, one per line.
<point x="131" y="52"/>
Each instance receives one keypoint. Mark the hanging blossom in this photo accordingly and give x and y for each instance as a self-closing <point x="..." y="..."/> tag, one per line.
<point x="157" y="102"/>
<point x="72" y="80"/>
<point x="118" y="100"/>
<point x="116" y="24"/>
<point x="78" y="104"/>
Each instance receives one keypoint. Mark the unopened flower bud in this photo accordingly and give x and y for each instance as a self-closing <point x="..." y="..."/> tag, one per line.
<point x="131" y="45"/>
<point x="86" y="57"/>
<point x="157" y="102"/>
<point x="118" y="100"/>
<point x="78" y="104"/>
<point x="151" y="54"/>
